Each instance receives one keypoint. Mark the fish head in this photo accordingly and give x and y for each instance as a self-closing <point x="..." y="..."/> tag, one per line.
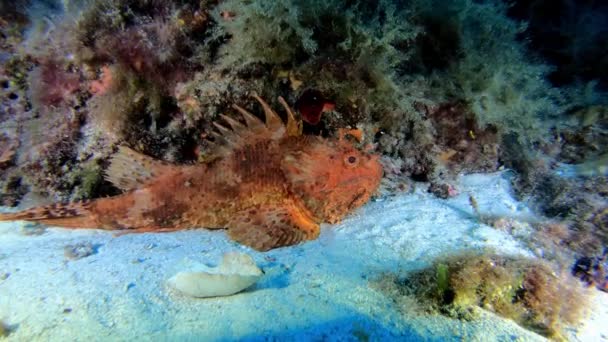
<point x="332" y="177"/>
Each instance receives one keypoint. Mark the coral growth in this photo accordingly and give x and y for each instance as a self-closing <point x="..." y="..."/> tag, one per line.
<point x="327" y="45"/>
<point x="463" y="145"/>
<point x="51" y="84"/>
<point x="153" y="40"/>
<point x="593" y="271"/>
<point x="8" y="149"/>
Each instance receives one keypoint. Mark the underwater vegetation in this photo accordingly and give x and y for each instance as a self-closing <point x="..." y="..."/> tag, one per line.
<point x="592" y="271"/>
<point x="529" y="292"/>
<point x="154" y="76"/>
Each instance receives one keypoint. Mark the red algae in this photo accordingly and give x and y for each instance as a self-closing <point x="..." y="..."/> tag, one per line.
<point x="52" y="84"/>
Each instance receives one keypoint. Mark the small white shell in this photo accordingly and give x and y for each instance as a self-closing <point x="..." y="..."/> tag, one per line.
<point x="236" y="273"/>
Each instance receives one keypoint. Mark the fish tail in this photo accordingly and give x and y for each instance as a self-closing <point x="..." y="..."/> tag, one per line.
<point x="70" y="215"/>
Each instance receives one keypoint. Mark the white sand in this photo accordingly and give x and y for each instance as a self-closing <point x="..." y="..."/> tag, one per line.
<point x="318" y="290"/>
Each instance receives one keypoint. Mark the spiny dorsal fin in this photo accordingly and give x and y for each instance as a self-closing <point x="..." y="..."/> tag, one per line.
<point x="294" y="126"/>
<point x="273" y="120"/>
<point x="254" y="129"/>
<point x="252" y="121"/>
<point x="130" y="170"/>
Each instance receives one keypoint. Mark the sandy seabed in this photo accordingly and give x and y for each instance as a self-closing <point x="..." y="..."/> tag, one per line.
<point x="319" y="290"/>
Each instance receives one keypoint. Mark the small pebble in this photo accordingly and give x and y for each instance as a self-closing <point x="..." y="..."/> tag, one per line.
<point x="5" y="329"/>
<point x="32" y="229"/>
<point x="79" y="250"/>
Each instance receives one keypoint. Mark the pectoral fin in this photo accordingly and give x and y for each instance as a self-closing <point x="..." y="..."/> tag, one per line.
<point x="272" y="227"/>
<point x="131" y="170"/>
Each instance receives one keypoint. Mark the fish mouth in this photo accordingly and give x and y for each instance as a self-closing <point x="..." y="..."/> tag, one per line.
<point x="353" y="203"/>
<point x="372" y="178"/>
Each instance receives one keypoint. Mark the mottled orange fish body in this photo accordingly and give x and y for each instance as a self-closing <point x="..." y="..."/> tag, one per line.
<point x="268" y="184"/>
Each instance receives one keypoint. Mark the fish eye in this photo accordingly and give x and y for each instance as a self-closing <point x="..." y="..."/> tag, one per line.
<point x="351" y="160"/>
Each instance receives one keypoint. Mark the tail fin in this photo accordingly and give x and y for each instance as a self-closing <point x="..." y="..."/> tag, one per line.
<point x="70" y="215"/>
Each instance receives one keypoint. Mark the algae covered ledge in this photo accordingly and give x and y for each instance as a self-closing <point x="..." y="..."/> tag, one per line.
<point x="432" y="90"/>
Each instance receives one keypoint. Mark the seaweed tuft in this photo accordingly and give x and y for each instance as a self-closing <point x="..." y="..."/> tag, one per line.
<point x="527" y="291"/>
